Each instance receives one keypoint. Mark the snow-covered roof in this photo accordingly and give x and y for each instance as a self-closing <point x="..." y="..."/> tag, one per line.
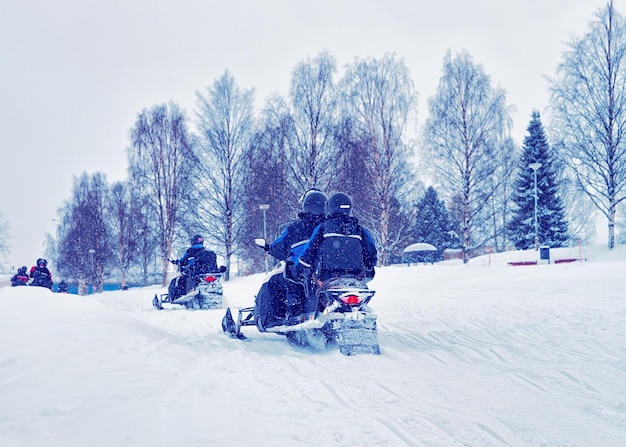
<point x="419" y="246"/>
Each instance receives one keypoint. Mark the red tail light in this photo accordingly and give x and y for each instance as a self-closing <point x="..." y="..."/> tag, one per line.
<point x="351" y="299"/>
<point x="210" y="278"/>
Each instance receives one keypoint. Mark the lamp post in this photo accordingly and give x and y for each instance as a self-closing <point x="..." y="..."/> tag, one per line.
<point x="264" y="207"/>
<point x="92" y="256"/>
<point x="534" y="167"/>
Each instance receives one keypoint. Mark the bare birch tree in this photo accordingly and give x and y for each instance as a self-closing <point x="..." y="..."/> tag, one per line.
<point x="160" y="160"/>
<point x="313" y="106"/>
<point x="465" y="129"/>
<point x="502" y="185"/>
<point x="307" y="122"/>
<point x="84" y="236"/>
<point x="4" y="235"/>
<point x="225" y="122"/>
<point x="379" y="94"/>
<point x="588" y="102"/>
<point x="126" y="227"/>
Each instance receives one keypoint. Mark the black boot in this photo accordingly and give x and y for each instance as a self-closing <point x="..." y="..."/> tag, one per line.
<point x="292" y="315"/>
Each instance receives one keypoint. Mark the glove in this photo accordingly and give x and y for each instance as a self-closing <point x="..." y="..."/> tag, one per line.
<point x="174" y="261"/>
<point x="262" y="243"/>
<point x="222" y="269"/>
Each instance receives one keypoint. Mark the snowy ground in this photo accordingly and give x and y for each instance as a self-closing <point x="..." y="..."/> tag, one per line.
<point x="483" y="354"/>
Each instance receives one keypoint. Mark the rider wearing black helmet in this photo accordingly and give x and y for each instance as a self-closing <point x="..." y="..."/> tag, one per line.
<point x="21" y="277"/>
<point x="41" y="275"/>
<point x="339" y="246"/>
<point x="288" y="247"/>
<point x="197" y="259"/>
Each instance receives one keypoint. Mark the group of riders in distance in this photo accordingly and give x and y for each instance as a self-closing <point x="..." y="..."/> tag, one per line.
<point x="39" y="275"/>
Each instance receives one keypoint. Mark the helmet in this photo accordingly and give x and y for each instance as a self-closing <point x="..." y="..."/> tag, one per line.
<point x="339" y="203"/>
<point x="23" y="269"/>
<point x="313" y="202"/>
<point x="41" y="261"/>
<point x="197" y="239"/>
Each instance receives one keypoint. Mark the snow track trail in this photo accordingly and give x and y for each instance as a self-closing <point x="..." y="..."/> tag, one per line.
<point x="471" y="355"/>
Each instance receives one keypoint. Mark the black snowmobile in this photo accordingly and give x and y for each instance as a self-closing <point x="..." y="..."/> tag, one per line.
<point x="193" y="291"/>
<point x="335" y="313"/>
<point x="21" y="278"/>
<point x="40" y="279"/>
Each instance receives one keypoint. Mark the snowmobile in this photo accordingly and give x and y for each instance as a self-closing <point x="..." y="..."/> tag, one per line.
<point x="337" y="312"/>
<point x="21" y="278"/>
<point x="40" y="279"/>
<point x="201" y="291"/>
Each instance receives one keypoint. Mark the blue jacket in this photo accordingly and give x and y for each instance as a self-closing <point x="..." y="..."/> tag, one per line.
<point x="291" y="242"/>
<point x="190" y="253"/>
<point x="340" y="246"/>
<point x="197" y="256"/>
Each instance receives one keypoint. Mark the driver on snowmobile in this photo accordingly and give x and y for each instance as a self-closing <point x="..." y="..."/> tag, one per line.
<point x="41" y="275"/>
<point x="196" y="260"/>
<point x="289" y="245"/>
<point x="339" y="246"/>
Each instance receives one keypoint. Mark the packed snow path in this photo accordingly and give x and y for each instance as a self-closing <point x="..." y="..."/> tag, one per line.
<point x="483" y="354"/>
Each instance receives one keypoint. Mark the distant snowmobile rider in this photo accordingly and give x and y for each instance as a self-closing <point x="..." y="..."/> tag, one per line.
<point x="40" y="274"/>
<point x="20" y="278"/>
<point x="196" y="260"/>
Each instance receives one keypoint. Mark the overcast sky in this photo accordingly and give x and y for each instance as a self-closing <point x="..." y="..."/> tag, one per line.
<point x="74" y="74"/>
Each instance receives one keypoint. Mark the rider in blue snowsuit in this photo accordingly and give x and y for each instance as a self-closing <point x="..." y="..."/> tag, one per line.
<point x="197" y="259"/>
<point x="290" y="244"/>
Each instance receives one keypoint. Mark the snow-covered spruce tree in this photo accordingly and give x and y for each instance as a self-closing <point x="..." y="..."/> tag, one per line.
<point x="551" y="223"/>
<point x="433" y="223"/>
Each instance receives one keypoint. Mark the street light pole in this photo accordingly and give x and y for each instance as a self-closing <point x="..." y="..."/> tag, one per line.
<point x="92" y="255"/>
<point x="534" y="167"/>
<point x="264" y="208"/>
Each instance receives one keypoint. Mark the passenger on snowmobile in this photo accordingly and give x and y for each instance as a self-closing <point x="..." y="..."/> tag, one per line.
<point x="339" y="247"/>
<point x="195" y="261"/>
<point x="288" y="247"/>
<point x="40" y="274"/>
<point x="20" y="278"/>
